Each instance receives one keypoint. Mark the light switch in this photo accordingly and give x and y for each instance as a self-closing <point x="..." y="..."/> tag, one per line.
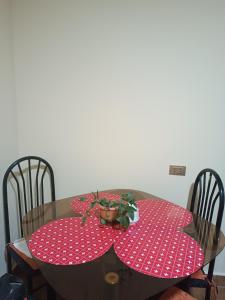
<point x="177" y="170"/>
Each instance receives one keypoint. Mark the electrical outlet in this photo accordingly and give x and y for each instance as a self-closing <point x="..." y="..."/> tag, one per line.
<point x="177" y="170"/>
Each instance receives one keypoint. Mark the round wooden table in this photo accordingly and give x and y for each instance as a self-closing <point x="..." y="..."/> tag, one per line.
<point x="106" y="277"/>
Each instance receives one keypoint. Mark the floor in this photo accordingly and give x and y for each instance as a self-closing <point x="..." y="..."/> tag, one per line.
<point x="220" y="281"/>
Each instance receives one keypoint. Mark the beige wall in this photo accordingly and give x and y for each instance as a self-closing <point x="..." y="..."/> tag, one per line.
<point x="8" y="136"/>
<point x="112" y="92"/>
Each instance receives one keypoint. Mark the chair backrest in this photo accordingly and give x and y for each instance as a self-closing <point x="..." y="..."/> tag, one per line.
<point x="207" y="202"/>
<point x="27" y="181"/>
<point x="208" y="197"/>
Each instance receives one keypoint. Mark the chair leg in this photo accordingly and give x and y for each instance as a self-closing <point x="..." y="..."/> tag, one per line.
<point x="8" y="261"/>
<point x="9" y="265"/>
<point x="208" y="293"/>
<point x="211" y="269"/>
<point x="210" y="277"/>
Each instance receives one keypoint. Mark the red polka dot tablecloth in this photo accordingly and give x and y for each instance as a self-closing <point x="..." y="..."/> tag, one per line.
<point x="159" y="252"/>
<point x="68" y="242"/>
<point x="157" y="212"/>
<point x="154" y="245"/>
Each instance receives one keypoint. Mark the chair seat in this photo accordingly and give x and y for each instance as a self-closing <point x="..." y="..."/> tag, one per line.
<point x="174" y="293"/>
<point x="200" y="280"/>
<point x="21" y="245"/>
<point x="22" y="255"/>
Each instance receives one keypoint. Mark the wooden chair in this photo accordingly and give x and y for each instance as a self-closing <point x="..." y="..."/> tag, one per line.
<point x="26" y="184"/>
<point x="207" y="202"/>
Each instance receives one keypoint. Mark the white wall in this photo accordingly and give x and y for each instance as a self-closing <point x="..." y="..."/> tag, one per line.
<point x="8" y="136"/>
<point x="112" y="92"/>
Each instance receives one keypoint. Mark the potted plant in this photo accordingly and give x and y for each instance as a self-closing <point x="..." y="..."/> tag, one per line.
<point x="119" y="212"/>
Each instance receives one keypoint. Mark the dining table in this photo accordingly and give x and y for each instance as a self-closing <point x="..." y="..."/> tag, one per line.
<point x="92" y="261"/>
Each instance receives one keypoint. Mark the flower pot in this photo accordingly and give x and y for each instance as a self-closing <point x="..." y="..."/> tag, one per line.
<point x="108" y="214"/>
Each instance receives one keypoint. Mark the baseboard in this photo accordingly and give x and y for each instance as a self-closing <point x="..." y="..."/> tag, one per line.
<point x="219" y="274"/>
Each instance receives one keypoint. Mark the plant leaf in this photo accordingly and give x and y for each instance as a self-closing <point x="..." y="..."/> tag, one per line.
<point x="82" y="199"/>
<point x="102" y="221"/>
<point x="84" y="219"/>
<point x="122" y="209"/>
<point x="104" y="202"/>
<point x="124" y="221"/>
<point x="115" y="204"/>
<point x="93" y="204"/>
<point x="131" y="215"/>
<point x="130" y="209"/>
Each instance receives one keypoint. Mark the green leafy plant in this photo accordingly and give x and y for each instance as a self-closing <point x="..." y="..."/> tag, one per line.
<point x="125" y="206"/>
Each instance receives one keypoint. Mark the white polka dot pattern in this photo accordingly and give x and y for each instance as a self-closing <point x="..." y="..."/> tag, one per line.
<point x="155" y="246"/>
<point x="152" y="246"/>
<point x="67" y="242"/>
<point x="163" y="213"/>
<point x="160" y="253"/>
